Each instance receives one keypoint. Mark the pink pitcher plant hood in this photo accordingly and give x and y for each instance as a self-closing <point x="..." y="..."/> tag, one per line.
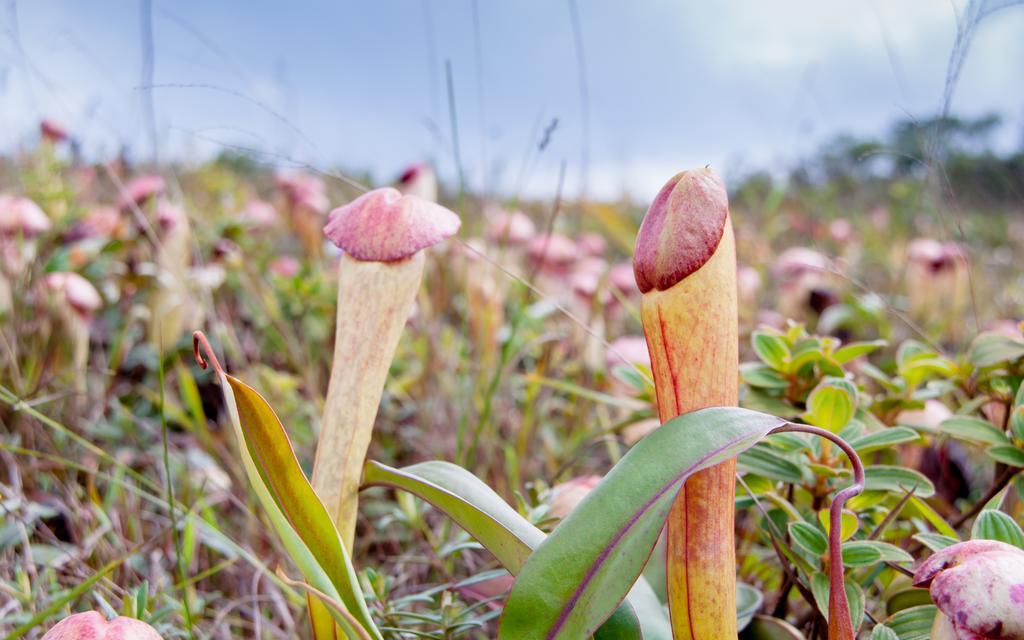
<point x="385" y="226"/>
<point x="681" y="230"/>
<point x="93" y="626"/>
<point x="19" y="215"/>
<point x="979" y="586"/>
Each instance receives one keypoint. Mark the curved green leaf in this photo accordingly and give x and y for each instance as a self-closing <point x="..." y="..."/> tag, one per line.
<point x="748" y="601"/>
<point x="768" y="628"/>
<point x="771" y="463"/>
<point x="882" y="477"/>
<point x="996" y="525"/>
<point x="294" y="509"/>
<point x="583" y="570"/>
<point x="884" y="439"/>
<point x="490" y="520"/>
<point x="469" y="502"/>
<point x="914" y="623"/>
<point x="1008" y="455"/>
<point x="973" y="430"/>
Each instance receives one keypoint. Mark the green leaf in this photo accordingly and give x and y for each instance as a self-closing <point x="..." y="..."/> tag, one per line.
<point x="809" y="538"/>
<point x="832" y="404"/>
<point x="855" y="350"/>
<point x="768" y="628"/>
<point x="907" y="598"/>
<point x="859" y="555"/>
<point x="896" y="479"/>
<point x="884" y="439"/>
<point x="925" y="510"/>
<point x="1007" y="454"/>
<point x="820" y="589"/>
<point x="848" y="523"/>
<point x="973" y="430"/>
<point x="884" y="552"/>
<point x="882" y="632"/>
<point x="996" y="525"/>
<point x="990" y="349"/>
<point x="469" y="502"/>
<point x="762" y="376"/>
<point x="935" y="541"/>
<point x="748" y="601"/>
<point x="771" y="349"/>
<point x="503" y="531"/>
<point x="298" y="516"/>
<point x="580" y="573"/>
<point x="1017" y="417"/>
<point x="770" y="463"/>
<point x="914" y="623"/>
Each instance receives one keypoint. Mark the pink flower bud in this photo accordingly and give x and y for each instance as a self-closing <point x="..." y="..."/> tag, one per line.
<point x="92" y="626"/>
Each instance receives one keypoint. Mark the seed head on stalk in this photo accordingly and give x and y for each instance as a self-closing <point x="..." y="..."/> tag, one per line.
<point x="382" y="234"/>
<point x="685" y="266"/>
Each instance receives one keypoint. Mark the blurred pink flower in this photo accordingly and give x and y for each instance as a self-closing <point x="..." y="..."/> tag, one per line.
<point x="100" y="222"/>
<point x="304" y="190"/>
<point x="20" y="215"/>
<point x="628" y="350"/>
<point x="52" y="130"/>
<point x="553" y="252"/>
<point x="621" y="278"/>
<point x="141" y="188"/>
<point x="591" y="244"/>
<point x="565" y="496"/>
<point x="511" y="227"/>
<point x="284" y="267"/>
<point x="93" y="626"/>
<point x="76" y="291"/>
<point x="258" y="213"/>
<point x="419" y="180"/>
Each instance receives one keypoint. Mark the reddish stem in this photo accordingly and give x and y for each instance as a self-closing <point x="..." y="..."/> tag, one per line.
<point x="205" y="353"/>
<point x="839" y="623"/>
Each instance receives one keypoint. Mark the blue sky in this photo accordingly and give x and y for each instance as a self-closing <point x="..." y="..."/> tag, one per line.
<point x="742" y="85"/>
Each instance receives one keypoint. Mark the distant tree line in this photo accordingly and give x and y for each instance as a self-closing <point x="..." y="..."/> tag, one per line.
<point x="957" y="152"/>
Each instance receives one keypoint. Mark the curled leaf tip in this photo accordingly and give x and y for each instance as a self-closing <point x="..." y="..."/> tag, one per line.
<point x="681" y="230"/>
<point x="204" y="352"/>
